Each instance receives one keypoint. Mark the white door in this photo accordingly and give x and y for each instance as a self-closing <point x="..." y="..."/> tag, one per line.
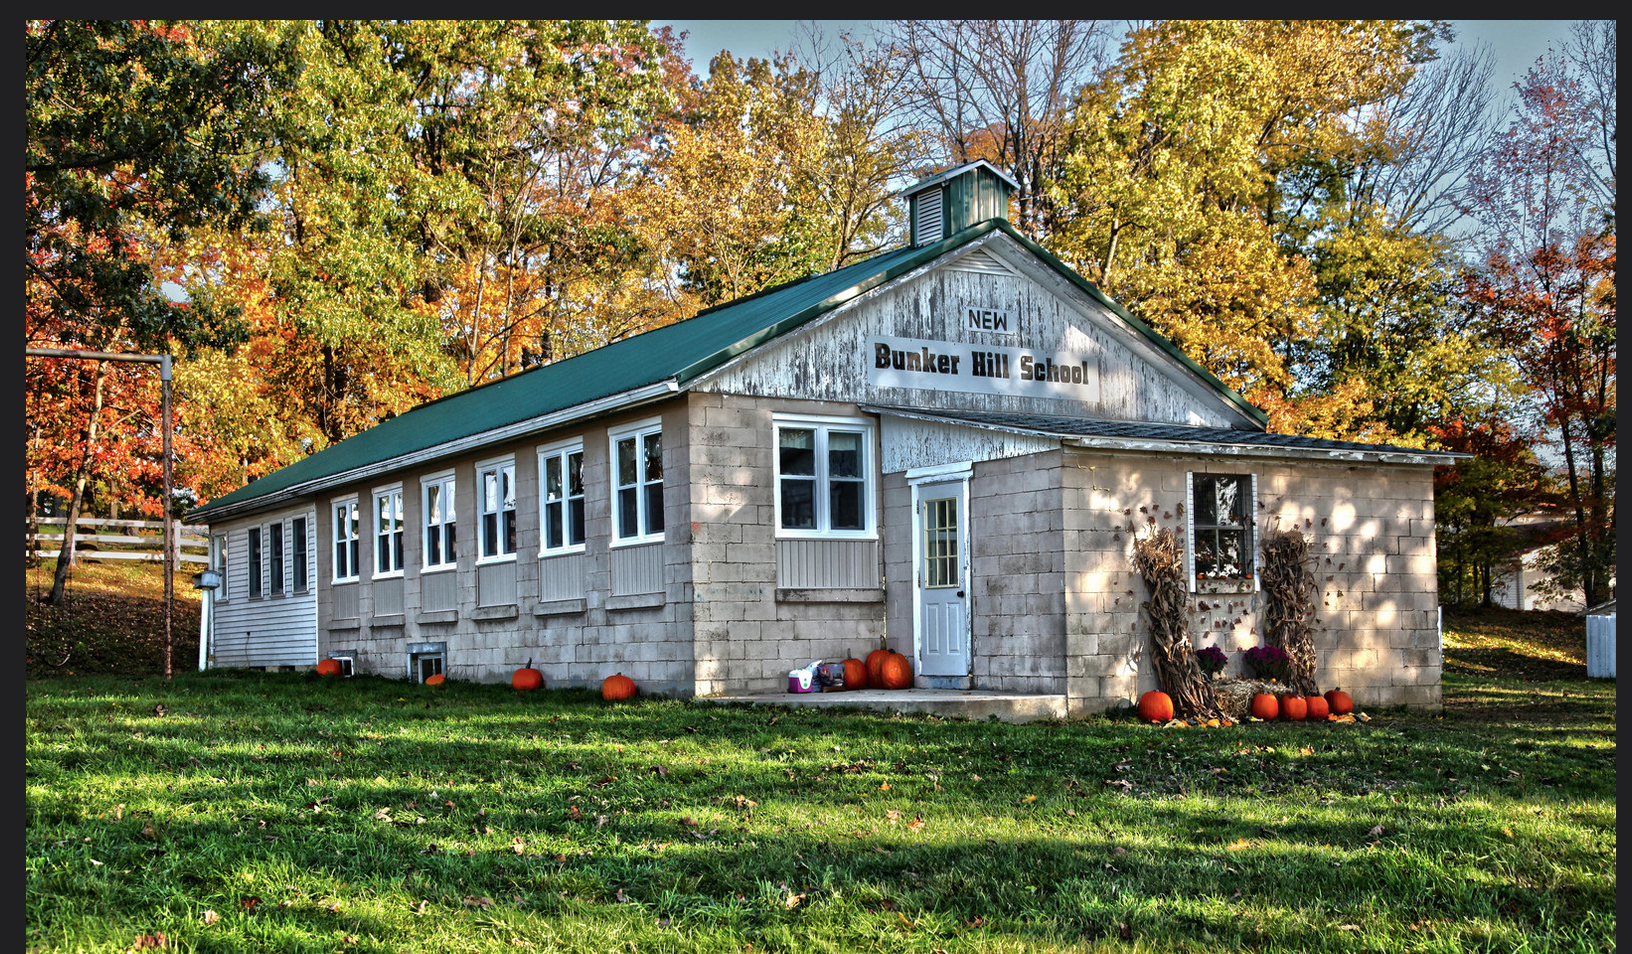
<point x="941" y="551"/>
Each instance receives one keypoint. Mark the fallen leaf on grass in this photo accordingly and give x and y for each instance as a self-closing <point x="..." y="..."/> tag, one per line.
<point x="210" y="917"/>
<point x="1375" y="832"/>
<point x="146" y="941"/>
<point x="916" y="823"/>
<point x="1239" y="844"/>
<point x="792" y="901"/>
<point x="483" y="902"/>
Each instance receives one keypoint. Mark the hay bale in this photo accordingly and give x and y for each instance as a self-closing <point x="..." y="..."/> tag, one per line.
<point x="1235" y="695"/>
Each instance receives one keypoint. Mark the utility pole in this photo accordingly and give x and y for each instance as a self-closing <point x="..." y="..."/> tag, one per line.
<point x="163" y="361"/>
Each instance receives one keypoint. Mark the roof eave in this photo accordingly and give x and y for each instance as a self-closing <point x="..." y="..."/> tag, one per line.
<point x="211" y="513"/>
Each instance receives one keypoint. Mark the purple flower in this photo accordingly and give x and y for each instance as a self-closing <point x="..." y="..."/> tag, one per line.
<point x="1269" y="662"/>
<point x="1212" y="660"/>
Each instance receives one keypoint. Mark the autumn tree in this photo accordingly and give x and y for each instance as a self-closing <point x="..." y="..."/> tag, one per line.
<point x="1002" y="90"/>
<point x="130" y="126"/>
<point x="1546" y="196"/>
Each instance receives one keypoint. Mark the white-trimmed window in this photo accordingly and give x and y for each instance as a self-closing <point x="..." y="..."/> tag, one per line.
<point x="274" y="540"/>
<point x="347" y="527"/>
<point x="254" y="561"/>
<point x="824" y="477"/>
<point x="298" y="554"/>
<point x="561" y="498"/>
<point x="496" y="492"/>
<point x="1223" y="533"/>
<point x="218" y="554"/>
<point x="441" y="525"/>
<point x="388" y="531"/>
<point x="637" y="483"/>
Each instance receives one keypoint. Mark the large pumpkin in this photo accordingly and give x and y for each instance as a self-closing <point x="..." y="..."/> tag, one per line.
<point x="527" y="677"/>
<point x="875" y="666"/>
<point x="1295" y="708"/>
<point x="1317" y="708"/>
<point x="855" y="674"/>
<point x="896" y="673"/>
<point x="1264" y="706"/>
<point x="436" y="680"/>
<point x="1339" y="702"/>
<point x="329" y="667"/>
<point x="1156" y="706"/>
<point x="617" y="688"/>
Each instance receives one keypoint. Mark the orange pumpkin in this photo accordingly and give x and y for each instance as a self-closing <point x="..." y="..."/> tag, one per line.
<point x="1295" y="708"/>
<point x="329" y="667"/>
<point x="855" y="674"/>
<point x="896" y="673"/>
<point x="1317" y="707"/>
<point x="1264" y="706"/>
<point x="527" y="677"/>
<point x="436" y="680"/>
<point x="617" y="688"/>
<point x="1339" y="702"/>
<point x="875" y="665"/>
<point x="1156" y="706"/>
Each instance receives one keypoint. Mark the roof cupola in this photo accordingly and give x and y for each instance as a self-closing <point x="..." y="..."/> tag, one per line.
<point x="951" y="201"/>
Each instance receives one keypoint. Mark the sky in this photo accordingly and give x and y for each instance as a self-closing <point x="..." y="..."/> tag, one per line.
<point x="1516" y="43"/>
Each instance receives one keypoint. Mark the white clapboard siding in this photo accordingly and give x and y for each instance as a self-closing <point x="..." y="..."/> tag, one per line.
<point x="561" y="577"/>
<point x="637" y="570"/>
<point x="496" y="583"/>
<point x="439" y="590"/>
<point x="267" y="630"/>
<point x="827" y="564"/>
<point x="1601" y="647"/>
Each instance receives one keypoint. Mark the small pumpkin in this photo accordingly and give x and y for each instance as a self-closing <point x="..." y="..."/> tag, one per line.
<point x="1317" y="708"/>
<point x="1156" y="706"/>
<point x="1264" y="706"/>
<point x="527" y="677"/>
<point x="1339" y="702"/>
<point x="329" y="667"/>
<point x="896" y="673"/>
<point x="1294" y="708"/>
<point x="875" y="665"/>
<point x="436" y="680"/>
<point x="618" y="687"/>
<point x="855" y="674"/>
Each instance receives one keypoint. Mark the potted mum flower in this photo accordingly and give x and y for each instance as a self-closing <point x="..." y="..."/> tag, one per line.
<point x="1212" y="660"/>
<point x="1269" y="662"/>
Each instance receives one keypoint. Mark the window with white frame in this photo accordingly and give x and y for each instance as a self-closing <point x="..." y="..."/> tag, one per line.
<point x="254" y="561"/>
<point x="441" y="528"/>
<point x="561" y="498"/>
<point x="346" y="530"/>
<point x="637" y="483"/>
<point x="496" y="490"/>
<point x="1222" y="531"/>
<point x="218" y="553"/>
<point x="824" y="483"/>
<point x="298" y="575"/>
<point x="274" y="541"/>
<point x="388" y="531"/>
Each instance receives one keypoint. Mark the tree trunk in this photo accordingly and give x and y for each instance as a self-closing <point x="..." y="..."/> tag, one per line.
<point x="81" y="478"/>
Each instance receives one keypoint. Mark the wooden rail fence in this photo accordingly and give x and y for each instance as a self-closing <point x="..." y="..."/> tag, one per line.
<point x="140" y="540"/>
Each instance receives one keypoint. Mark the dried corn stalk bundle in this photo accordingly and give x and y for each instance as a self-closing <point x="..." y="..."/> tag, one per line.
<point x="1156" y="558"/>
<point x="1289" y="603"/>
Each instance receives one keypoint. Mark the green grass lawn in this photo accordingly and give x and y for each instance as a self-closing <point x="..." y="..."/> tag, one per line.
<point x="283" y="812"/>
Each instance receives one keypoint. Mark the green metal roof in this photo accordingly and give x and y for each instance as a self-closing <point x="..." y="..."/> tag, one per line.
<point x="679" y="352"/>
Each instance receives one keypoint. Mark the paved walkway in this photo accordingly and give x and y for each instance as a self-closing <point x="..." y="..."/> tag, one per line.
<point x="950" y="703"/>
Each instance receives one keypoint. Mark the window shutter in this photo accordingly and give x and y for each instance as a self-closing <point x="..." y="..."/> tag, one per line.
<point x="1252" y="518"/>
<point x="928" y="225"/>
<point x="1190" y="531"/>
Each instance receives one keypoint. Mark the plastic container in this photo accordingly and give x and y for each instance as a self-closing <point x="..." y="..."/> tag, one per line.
<point x="799" y="680"/>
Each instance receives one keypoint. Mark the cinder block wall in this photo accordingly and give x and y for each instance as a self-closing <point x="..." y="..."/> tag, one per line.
<point x="1372" y="534"/>
<point x="749" y="631"/>
<point x="1018" y="560"/>
<point x="648" y="643"/>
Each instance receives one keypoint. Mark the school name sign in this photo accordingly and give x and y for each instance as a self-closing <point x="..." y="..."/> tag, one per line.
<point x="975" y="369"/>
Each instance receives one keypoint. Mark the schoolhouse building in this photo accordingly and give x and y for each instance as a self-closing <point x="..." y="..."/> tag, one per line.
<point x="947" y="449"/>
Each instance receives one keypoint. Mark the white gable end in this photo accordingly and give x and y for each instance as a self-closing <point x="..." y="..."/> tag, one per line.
<point x="987" y="328"/>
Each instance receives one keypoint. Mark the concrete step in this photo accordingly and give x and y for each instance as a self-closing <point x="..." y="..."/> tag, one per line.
<point x="947" y="703"/>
